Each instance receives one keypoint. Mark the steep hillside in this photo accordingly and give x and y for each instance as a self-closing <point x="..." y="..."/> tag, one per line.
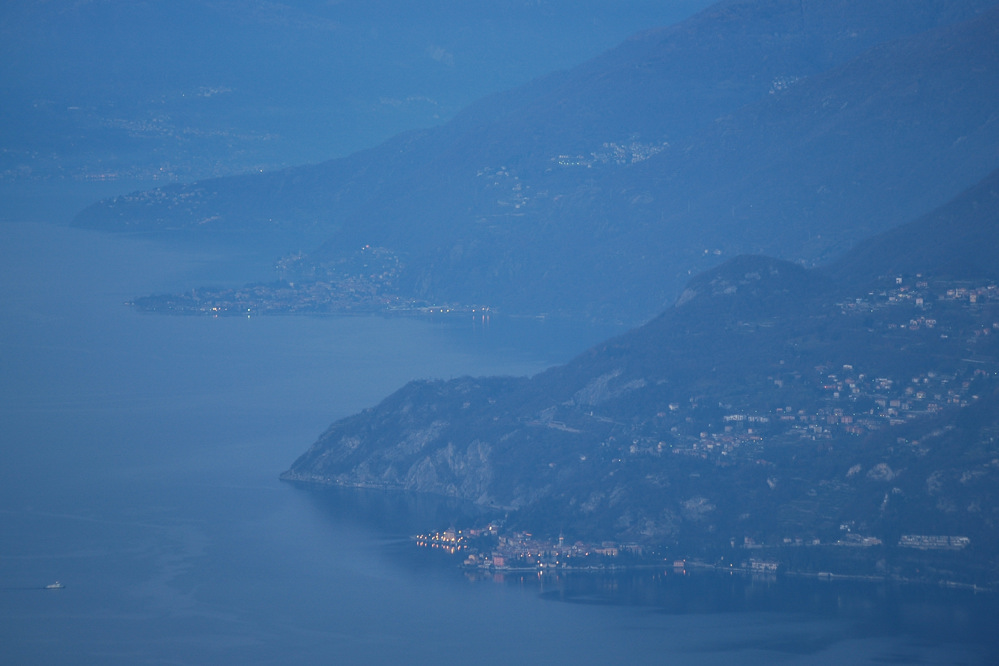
<point x="779" y="127"/>
<point x="772" y="406"/>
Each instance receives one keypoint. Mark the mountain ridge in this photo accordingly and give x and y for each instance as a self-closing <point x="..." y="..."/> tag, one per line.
<point x="619" y="173"/>
<point x="772" y="405"/>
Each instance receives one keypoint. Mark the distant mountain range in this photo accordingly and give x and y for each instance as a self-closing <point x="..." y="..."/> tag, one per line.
<point x="788" y="128"/>
<point x="159" y="92"/>
<point x="842" y="419"/>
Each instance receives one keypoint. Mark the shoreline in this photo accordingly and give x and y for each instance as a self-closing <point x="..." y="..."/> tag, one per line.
<point x="703" y="567"/>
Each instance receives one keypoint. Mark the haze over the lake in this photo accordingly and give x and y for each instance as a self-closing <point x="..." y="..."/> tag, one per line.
<point x="478" y="271"/>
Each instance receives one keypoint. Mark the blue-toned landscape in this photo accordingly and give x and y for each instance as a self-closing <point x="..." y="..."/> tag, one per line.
<point x="140" y="466"/>
<point x="539" y="331"/>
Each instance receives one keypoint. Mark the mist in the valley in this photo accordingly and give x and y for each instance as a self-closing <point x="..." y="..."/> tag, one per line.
<point x="225" y="226"/>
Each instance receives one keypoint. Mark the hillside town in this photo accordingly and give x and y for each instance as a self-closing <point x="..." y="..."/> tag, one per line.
<point x="846" y="399"/>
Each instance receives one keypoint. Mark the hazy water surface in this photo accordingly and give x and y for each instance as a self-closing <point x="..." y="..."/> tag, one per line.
<point x="138" y="465"/>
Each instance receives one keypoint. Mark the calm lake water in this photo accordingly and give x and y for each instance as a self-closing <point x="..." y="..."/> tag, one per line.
<point x="139" y="457"/>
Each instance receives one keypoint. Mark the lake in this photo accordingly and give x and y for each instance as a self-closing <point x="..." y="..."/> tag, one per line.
<point x="139" y="462"/>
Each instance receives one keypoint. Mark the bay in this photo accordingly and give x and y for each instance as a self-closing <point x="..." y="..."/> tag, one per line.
<point x="139" y="457"/>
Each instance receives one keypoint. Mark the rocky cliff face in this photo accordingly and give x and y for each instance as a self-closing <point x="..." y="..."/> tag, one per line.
<point x="414" y="441"/>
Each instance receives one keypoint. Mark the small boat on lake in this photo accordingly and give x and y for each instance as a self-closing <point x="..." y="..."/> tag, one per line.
<point x="55" y="586"/>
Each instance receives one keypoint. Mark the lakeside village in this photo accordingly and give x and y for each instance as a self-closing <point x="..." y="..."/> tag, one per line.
<point x="852" y="403"/>
<point x="362" y="283"/>
<point x="487" y="549"/>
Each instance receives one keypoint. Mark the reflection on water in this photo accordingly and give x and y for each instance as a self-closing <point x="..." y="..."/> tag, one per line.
<point x="795" y="617"/>
<point x="139" y="458"/>
<point x="399" y="514"/>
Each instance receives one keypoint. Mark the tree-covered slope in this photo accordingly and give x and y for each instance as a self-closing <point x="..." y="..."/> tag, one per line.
<point x="771" y="405"/>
